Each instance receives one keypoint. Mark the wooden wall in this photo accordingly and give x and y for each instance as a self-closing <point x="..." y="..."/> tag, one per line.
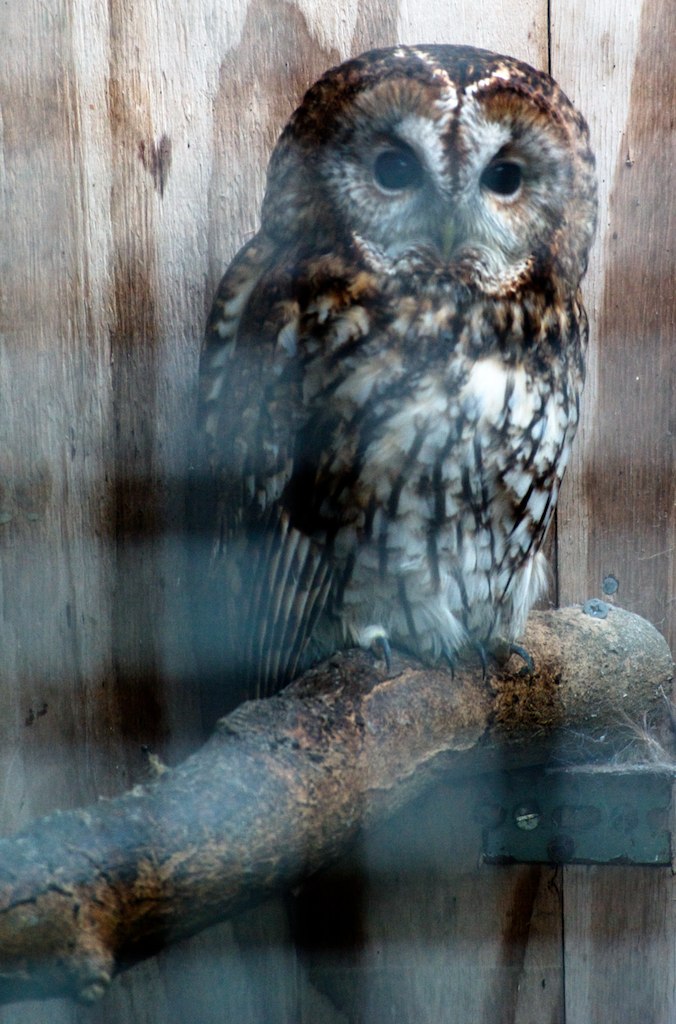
<point x="133" y="143"/>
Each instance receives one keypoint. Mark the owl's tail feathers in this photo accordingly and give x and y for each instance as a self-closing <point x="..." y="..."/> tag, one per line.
<point x="291" y="582"/>
<point x="283" y="580"/>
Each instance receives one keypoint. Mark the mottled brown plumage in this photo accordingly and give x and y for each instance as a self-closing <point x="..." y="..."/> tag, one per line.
<point x="392" y="371"/>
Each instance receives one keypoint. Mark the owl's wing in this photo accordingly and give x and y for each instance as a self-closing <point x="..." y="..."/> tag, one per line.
<point x="261" y="582"/>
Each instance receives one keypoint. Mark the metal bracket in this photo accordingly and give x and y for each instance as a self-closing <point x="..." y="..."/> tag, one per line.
<point x="578" y="816"/>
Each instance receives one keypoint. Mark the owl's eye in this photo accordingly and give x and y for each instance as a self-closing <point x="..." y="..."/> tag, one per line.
<point x="503" y="177"/>
<point x="397" y="169"/>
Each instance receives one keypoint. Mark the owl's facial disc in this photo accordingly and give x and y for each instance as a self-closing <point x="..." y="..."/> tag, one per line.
<point x="469" y="178"/>
<point x="451" y="160"/>
<point x="407" y="189"/>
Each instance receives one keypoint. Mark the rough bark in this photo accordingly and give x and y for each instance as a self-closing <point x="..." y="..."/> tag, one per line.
<point x="283" y="785"/>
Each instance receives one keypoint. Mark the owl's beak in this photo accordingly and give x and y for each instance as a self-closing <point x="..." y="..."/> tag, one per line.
<point x="449" y="236"/>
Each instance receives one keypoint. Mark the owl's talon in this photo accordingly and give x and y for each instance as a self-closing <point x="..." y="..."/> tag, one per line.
<point x="451" y="660"/>
<point x="374" y="638"/>
<point x="500" y="651"/>
<point x="381" y="647"/>
<point x="483" y="658"/>
<point x="528" y="668"/>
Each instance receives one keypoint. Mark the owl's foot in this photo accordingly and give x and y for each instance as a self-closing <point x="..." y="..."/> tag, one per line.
<point x="483" y="658"/>
<point x="375" y="638"/>
<point x="500" y="651"/>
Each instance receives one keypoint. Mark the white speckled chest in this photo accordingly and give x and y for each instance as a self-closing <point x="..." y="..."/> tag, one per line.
<point x="439" y="479"/>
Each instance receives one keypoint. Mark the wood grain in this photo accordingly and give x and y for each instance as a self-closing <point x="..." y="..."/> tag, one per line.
<point x="616" y="513"/>
<point x="133" y="141"/>
<point x="620" y="947"/>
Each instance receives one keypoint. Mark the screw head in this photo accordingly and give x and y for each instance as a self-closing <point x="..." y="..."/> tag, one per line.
<point x="527" y="816"/>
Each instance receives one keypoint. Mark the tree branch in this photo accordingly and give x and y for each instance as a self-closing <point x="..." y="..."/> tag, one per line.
<point x="284" y="784"/>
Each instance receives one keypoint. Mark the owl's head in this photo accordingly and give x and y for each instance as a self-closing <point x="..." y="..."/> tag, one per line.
<point x="471" y="162"/>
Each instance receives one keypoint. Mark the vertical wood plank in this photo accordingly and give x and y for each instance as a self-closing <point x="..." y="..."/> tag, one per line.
<point x="56" y="716"/>
<point x="617" y="509"/>
<point x="620" y="946"/>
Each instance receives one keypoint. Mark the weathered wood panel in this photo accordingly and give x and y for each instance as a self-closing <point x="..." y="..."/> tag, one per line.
<point x="620" y="947"/>
<point x="617" y="511"/>
<point x="133" y="142"/>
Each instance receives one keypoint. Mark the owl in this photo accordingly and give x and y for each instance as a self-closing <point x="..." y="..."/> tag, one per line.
<point x="391" y="377"/>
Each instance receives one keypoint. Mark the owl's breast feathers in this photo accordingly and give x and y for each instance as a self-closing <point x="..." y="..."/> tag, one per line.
<point x="387" y="459"/>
